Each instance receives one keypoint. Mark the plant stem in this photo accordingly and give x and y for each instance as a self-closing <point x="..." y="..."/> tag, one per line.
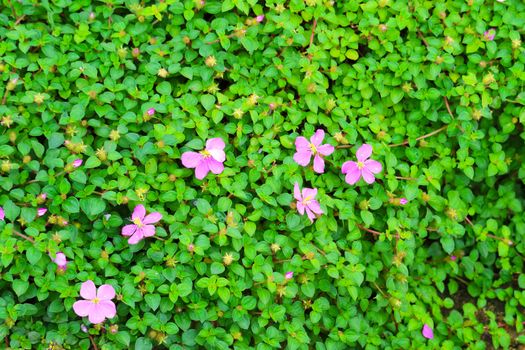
<point x="92" y="342"/>
<point x="420" y="137"/>
<point x="313" y="33"/>
<point x="450" y="112"/>
<point x="406" y="178"/>
<point x="376" y="233"/>
<point x="380" y="290"/>
<point x="27" y="238"/>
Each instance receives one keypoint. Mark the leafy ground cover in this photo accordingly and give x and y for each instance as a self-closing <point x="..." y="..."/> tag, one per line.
<point x="262" y="174"/>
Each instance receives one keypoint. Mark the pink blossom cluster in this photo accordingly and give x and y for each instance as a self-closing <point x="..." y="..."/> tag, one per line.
<point x="365" y="168"/>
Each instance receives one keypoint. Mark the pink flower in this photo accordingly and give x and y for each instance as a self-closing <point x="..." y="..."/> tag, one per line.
<point x="2" y="214"/>
<point x="306" y="201"/>
<point x="77" y="163"/>
<point x="403" y="201"/>
<point x="41" y="211"/>
<point x="42" y="196"/>
<point x="210" y="159"/>
<point x="61" y="260"/>
<point x="289" y="275"/>
<point x="306" y="149"/>
<point x="489" y="34"/>
<point x="259" y="18"/>
<point x="141" y="226"/>
<point x="151" y="111"/>
<point x="98" y="305"/>
<point x="427" y="332"/>
<point x="453" y="257"/>
<point x="191" y="248"/>
<point x="364" y="167"/>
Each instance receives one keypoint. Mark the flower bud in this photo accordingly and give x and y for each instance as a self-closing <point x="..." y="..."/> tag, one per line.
<point x="11" y="85"/>
<point x="227" y="259"/>
<point x="210" y="61"/>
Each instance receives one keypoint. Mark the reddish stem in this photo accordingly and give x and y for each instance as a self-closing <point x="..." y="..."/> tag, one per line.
<point x="361" y="227"/>
<point x="27" y="238"/>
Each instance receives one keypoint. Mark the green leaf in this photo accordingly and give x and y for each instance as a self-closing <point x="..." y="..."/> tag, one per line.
<point x="153" y="301"/>
<point x="71" y="205"/>
<point x="20" y="287"/>
<point x="33" y="255"/>
<point x="448" y="244"/>
<point x="92" y="206"/>
<point x="208" y="101"/>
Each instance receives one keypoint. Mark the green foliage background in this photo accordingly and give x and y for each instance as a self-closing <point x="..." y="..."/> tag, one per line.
<point x="368" y="274"/>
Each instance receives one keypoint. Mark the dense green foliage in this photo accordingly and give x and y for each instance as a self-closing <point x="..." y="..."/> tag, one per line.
<point x="77" y="79"/>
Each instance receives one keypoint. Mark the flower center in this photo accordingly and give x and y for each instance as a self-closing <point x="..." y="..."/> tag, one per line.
<point x="96" y="301"/>
<point x="360" y="165"/>
<point x="137" y="222"/>
<point x="206" y="154"/>
<point x="313" y="148"/>
<point x="307" y="200"/>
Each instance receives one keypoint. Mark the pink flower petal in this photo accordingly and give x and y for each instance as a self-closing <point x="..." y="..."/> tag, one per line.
<point x="374" y="166"/>
<point x="96" y="314"/>
<point x="139" y="212"/>
<point x="88" y="290"/>
<point x="201" y="170"/>
<point x="128" y="230"/>
<point x="368" y="176"/>
<point x="83" y="307"/>
<point x="215" y="166"/>
<point x="107" y="308"/>
<point x="289" y="275"/>
<point x="152" y="218"/>
<point x="218" y="154"/>
<point x="191" y="159"/>
<point x="60" y="259"/>
<point x="136" y="237"/>
<point x="302" y="158"/>
<point x="318" y="137"/>
<point x="364" y="152"/>
<point x="325" y="149"/>
<point x="318" y="164"/>
<point x="353" y="176"/>
<point x="77" y="163"/>
<point x="315" y="207"/>
<point x="302" y="144"/>
<point x="427" y="332"/>
<point x="2" y="214"/>
<point x="41" y="211"/>
<point x="106" y="292"/>
<point x="215" y="143"/>
<point x="309" y="193"/>
<point x="349" y="166"/>
<point x="297" y="192"/>
<point x="310" y="214"/>
<point x="300" y="208"/>
<point x="148" y="230"/>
